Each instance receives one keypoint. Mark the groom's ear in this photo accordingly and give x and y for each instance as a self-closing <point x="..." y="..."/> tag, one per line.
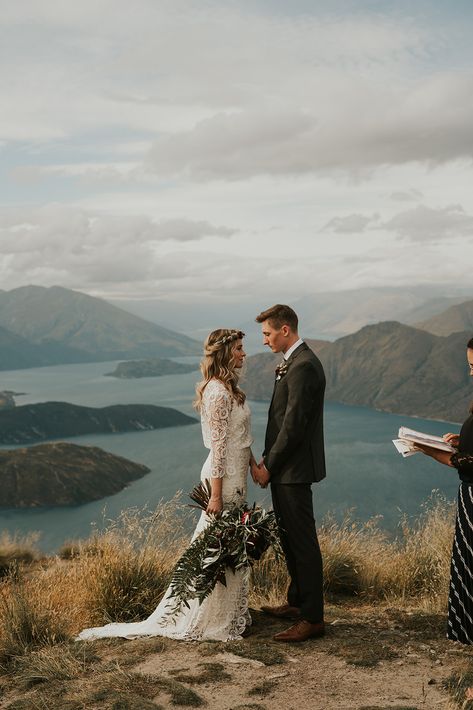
<point x="285" y="330"/>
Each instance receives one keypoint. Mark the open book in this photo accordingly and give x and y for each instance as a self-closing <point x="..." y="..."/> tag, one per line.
<point x="408" y="439"/>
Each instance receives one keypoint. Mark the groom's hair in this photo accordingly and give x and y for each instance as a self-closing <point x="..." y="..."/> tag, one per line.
<point x="279" y="315"/>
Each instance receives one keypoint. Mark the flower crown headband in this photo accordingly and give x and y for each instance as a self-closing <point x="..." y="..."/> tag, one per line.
<point x="228" y="338"/>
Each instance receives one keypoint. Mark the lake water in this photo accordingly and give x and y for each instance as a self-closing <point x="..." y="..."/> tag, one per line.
<point x="364" y="472"/>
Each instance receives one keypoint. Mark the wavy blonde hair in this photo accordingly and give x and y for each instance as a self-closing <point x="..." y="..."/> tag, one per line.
<point x="218" y="363"/>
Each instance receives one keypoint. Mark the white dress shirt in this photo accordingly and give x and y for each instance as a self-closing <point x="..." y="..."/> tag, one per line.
<point x="289" y="352"/>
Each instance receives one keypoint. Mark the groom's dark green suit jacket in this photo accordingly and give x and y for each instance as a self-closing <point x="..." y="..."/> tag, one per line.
<point x="294" y="443"/>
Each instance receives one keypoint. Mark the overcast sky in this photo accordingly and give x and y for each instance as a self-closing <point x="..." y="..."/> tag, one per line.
<point x="231" y="150"/>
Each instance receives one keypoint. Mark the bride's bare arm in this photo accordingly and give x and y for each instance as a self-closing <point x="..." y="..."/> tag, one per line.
<point x="215" y="505"/>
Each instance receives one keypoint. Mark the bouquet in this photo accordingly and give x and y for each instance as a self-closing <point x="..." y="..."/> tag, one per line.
<point x="232" y="541"/>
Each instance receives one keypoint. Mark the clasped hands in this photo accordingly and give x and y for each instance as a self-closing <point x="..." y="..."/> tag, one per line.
<point x="259" y="473"/>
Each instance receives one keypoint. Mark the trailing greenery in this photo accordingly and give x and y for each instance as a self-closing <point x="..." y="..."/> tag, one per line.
<point x="232" y="541"/>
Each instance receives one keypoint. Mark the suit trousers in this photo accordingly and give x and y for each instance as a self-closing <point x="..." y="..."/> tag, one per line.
<point x="292" y="504"/>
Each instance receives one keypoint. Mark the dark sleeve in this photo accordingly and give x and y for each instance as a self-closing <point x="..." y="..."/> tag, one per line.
<point x="303" y="385"/>
<point x="463" y="462"/>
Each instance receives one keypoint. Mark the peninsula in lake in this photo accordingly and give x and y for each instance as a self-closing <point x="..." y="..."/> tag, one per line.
<point x="56" y="420"/>
<point x="62" y="474"/>
<point x="153" y="367"/>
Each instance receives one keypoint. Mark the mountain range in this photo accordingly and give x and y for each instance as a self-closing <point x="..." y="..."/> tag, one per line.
<point x="388" y="366"/>
<point x="457" y="318"/>
<point x="327" y="314"/>
<point x="46" y="326"/>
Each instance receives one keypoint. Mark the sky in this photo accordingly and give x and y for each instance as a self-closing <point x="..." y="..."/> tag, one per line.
<point x="225" y="151"/>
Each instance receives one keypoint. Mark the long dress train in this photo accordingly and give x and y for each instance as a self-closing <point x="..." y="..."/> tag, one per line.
<point x="224" y="614"/>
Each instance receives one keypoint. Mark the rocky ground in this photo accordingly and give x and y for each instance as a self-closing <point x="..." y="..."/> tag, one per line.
<point x="372" y="658"/>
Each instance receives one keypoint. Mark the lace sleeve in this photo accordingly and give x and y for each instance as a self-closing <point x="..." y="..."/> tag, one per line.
<point x="463" y="462"/>
<point x="219" y="407"/>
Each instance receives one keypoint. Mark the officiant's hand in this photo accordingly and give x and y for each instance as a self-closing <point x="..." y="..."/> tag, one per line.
<point x="452" y="439"/>
<point x="440" y="456"/>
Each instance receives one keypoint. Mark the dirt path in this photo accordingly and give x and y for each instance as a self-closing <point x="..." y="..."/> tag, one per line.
<point x="370" y="660"/>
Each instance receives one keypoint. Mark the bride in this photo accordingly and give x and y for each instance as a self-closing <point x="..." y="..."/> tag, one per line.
<point x="225" y="418"/>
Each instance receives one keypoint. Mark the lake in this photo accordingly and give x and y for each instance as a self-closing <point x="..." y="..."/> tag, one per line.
<point x="365" y="475"/>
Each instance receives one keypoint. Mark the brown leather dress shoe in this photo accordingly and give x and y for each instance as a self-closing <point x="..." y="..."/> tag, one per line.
<point x="285" y="611"/>
<point x="301" y="631"/>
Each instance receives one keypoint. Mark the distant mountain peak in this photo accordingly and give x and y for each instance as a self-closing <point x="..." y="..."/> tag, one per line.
<point x="457" y="318"/>
<point x="87" y="324"/>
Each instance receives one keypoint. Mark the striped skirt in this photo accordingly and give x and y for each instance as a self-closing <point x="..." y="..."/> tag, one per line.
<point x="460" y="600"/>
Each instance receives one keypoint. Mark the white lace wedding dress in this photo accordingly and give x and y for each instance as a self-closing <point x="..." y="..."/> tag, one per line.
<point x="223" y="615"/>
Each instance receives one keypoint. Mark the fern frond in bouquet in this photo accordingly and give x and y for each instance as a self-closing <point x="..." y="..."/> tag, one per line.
<point x="230" y="542"/>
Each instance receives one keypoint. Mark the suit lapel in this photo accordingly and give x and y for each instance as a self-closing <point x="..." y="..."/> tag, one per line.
<point x="297" y="351"/>
<point x="300" y="349"/>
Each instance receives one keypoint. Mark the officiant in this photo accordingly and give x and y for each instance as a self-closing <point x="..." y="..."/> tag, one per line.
<point x="460" y="600"/>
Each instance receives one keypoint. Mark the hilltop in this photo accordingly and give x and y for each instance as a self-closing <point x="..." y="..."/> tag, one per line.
<point x="385" y="644"/>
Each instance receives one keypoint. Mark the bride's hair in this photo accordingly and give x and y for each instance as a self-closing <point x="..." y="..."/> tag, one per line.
<point x="218" y="363"/>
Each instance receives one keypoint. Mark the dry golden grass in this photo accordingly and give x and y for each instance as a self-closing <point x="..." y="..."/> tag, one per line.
<point x="121" y="574"/>
<point x="25" y="624"/>
<point x="16" y="550"/>
<point x="360" y="559"/>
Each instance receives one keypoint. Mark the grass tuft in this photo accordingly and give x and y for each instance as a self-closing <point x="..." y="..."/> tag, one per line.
<point x="460" y="687"/>
<point x="51" y="664"/>
<point x="179" y="694"/>
<point x="264" y="688"/>
<point x="24" y="625"/>
<point x="16" y="551"/>
<point x="210" y="673"/>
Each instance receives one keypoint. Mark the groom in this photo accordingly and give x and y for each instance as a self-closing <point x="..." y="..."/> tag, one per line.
<point x="294" y="458"/>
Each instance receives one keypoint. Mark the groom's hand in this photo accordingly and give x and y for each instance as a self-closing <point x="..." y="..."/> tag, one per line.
<point x="262" y="476"/>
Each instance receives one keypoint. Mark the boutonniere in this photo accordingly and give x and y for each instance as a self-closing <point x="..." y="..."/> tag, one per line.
<point x="281" y="369"/>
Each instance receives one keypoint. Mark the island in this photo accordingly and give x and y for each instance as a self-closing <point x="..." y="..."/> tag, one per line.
<point x="62" y="474"/>
<point x="31" y="423"/>
<point x="153" y="367"/>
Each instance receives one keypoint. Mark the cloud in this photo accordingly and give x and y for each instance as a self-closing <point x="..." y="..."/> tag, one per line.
<point x="61" y="244"/>
<point x="233" y="91"/>
<point x="428" y="121"/>
<point x="185" y="230"/>
<point x="427" y="224"/>
<point x="351" y="224"/>
<point x="411" y="195"/>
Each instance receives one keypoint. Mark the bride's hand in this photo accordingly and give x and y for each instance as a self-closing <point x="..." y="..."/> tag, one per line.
<point x="215" y="506"/>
